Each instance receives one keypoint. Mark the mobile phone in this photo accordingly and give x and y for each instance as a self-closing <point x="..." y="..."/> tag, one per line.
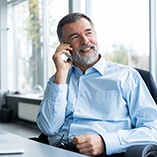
<point x="65" y="57"/>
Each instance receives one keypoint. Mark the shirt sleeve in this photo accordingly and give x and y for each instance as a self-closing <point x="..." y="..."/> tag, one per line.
<point x="142" y="111"/>
<point x="51" y="115"/>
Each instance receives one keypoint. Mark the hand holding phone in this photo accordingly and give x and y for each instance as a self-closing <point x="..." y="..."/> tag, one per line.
<point x="64" y="57"/>
<point x="62" y="62"/>
<point x="63" y="51"/>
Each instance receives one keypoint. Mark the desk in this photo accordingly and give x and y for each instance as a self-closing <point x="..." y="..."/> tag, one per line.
<point x="36" y="149"/>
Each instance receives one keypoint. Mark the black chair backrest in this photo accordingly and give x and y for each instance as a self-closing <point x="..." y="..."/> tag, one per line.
<point x="149" y="81"/>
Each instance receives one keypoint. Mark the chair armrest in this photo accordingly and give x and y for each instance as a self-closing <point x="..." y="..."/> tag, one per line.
<point x="142" y="151"/>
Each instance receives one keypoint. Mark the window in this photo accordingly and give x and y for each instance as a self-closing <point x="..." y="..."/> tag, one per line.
<point x="122" y="27"/>
<point x="32" y="39"/>
<point x="123" y="30"/>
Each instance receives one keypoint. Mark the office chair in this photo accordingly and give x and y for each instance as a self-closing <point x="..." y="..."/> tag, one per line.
<point x="136" y="150"/>
<point x="149" y="81"/>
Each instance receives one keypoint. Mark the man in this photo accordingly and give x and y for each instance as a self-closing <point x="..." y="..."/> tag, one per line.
<point x="91" y="105"/>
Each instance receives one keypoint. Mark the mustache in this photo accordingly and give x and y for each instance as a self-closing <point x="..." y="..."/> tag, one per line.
<point x="83" y="47"/>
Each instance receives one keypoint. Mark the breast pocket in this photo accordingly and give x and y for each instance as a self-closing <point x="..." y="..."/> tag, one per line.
<point x="105" y="105"/>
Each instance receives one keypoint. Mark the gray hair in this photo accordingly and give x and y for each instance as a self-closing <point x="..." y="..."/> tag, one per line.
<point x="70" y="18"/>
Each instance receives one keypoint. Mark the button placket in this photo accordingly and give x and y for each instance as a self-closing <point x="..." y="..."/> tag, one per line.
<point x="80" y="95"/>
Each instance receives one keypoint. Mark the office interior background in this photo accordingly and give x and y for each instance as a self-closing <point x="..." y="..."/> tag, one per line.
<point x="126" y="31"/>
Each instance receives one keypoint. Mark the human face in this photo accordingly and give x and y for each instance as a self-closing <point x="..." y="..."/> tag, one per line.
<point x="82" y="38"/>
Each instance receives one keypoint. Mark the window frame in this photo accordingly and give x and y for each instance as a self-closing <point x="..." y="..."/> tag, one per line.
<point x="153" y="38"/>
<point x="72" y="8"/>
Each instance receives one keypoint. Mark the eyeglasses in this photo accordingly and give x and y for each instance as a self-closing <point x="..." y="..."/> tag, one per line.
<point x="64" y="141"/>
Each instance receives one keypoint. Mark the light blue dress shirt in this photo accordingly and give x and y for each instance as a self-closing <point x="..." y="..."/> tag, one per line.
<point x="109" y="99"/>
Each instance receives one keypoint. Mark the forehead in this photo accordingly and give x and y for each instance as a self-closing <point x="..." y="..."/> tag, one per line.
<point x="76" y="27"/>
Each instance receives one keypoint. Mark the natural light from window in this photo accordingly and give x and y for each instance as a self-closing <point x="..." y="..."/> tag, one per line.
<point x="123" y="30"/>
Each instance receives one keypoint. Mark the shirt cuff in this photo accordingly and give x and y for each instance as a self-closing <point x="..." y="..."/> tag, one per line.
<point x="112" y="143"/>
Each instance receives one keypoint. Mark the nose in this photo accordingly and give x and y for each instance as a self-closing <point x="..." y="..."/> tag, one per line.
<point x="84" y="40"/>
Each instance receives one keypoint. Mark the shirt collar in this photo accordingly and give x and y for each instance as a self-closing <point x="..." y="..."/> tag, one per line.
<point x="98" y="66"/>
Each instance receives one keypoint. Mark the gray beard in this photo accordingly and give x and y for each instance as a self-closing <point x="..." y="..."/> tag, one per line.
<point x="87" y="59"/>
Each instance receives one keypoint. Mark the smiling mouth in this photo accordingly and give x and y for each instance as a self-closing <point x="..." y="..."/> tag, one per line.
<point x="86" y="49"/>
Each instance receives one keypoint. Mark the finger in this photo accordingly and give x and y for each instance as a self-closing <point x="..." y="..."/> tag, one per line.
<point x="57" y="55"/>
<point x="86" y="151"/>
<point x="63" y="47"/>
<point x="79" y="139"/>
<point x="89" y="151"/>
<point x="82" y="145"/>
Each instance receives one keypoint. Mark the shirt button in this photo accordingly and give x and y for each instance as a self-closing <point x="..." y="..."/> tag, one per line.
<point x="77" y="110"/>
<point x="81" y="95"/>
<point x="82" y="77"/>
<point x="75" y="121"/>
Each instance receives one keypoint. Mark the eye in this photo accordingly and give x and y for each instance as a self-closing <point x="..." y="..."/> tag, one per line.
<point x="89" y="33"/>
<point x="74" y="37"/>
